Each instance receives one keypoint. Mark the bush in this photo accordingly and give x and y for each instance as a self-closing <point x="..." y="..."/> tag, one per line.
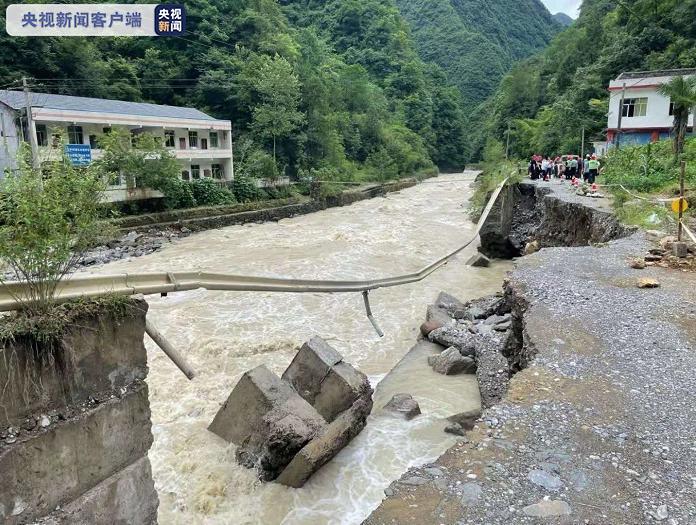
<point x="47" y="221"/>
<point x="245" y="189"/>
<point x="207" y="192"/>
<point x="178" y="194"/>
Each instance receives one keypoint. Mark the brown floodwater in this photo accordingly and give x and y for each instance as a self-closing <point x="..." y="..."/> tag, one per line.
<point x="223" y="334"/>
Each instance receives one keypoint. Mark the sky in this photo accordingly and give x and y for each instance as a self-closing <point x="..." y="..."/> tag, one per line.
<point x="570" y="7"/>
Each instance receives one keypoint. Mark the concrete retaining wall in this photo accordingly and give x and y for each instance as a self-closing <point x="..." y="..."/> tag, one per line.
<point x="75" y="420"/>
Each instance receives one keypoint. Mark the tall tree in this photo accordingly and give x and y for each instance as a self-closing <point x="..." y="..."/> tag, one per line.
<point x="278" y="87"/>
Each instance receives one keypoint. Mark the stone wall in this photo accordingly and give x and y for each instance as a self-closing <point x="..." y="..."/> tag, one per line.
<point x="75" y="424"/>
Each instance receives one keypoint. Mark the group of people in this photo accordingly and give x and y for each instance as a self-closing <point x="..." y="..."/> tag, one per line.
<point x="566" y="167"/>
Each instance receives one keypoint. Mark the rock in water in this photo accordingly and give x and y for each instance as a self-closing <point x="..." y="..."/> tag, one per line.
<point x="466" y="420"/>
<point x="319" y="374"/>
<point x="451" y="362"/>
<point x="268" y="421"/>
<point x="403" y="405"/>
<point x="478" y="260"/>
<point x="647" y="282"/>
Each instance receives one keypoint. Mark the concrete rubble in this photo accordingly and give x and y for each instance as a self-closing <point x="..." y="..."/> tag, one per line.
<point x="288" y="428"/>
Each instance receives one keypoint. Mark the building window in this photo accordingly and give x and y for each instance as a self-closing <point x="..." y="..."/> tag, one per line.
<point x="169" y="138"/>
<point x="185" y="175"/>
<point x="182" y="142"/>
<point x="217" y="171"/>
<point x="41" y="135"/>
<point x="195" y="171"/>
<point x="671" y="108"/>
<point x="214" y="139"/>
<point x="106" y="131"/>
<point x="206" y="173"/>
<point x="635" y="107"/>
<point x="75" y="135"/>
<point x="204" y="143"/>
<point x="93" y="142"/>
<point x="193" y="139"/>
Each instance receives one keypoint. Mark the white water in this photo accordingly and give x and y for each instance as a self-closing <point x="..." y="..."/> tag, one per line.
<point x="224" y="334"/>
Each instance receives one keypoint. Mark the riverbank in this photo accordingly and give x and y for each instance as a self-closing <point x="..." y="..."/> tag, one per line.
<point x="598" y="428"/>
<point x="145" y="234"/>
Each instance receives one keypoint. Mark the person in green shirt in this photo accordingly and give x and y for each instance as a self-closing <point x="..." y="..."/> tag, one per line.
<point x="594" y="169"/>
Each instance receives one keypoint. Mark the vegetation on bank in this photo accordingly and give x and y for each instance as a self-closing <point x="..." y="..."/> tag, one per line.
<point x="548" y="99"/>
<point x="330" y="87"/>
<point x="48" y="218"/>
<point x="494" y="170"/>
<point x="649" y="172"/>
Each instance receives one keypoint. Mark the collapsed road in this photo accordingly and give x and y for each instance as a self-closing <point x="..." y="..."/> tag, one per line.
<point x="597" y="426"/>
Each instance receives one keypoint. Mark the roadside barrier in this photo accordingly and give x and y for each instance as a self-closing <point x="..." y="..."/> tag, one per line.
<point x="165" y="282"/>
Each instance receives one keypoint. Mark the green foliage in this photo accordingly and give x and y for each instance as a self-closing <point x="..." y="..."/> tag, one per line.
<point x="245" y="189"/>
<point x="477" y="41"/>
<point x="550" y="98"/>
<point x="207" y="192"/>
<point x="47" y="221"/>
<point x="682" y="93"/>
<point x="142" y="160"/>
<point x="648" y="168"/>
<point x="494" y="172"/>
<point x="178" y="194"/>
<point x="310" y="84"/>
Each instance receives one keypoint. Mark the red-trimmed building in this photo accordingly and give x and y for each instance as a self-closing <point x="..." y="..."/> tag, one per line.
<point x="638" y="113"/>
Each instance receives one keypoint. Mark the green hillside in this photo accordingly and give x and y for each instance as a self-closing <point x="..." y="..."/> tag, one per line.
<point x="477" y="41"/>
<point x="563" y="19"/>
<point x="549" y="99"/>
<point x="337" y="86"/>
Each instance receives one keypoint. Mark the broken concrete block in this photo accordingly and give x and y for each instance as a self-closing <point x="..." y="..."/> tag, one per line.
<point x="319" y="374"/>
<point x="403" y="405"/>
<point x="267" y="420"/>
<point x="438" y="315"/>
<point x="324" y="447"/>
<point x="478" y="260"/>
<point x="452" y="362"/>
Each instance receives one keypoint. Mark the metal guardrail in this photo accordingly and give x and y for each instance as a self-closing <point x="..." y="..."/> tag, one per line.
<point x="165" y="282"/>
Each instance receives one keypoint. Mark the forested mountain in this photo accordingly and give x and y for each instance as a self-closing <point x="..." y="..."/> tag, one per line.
<point x="476" y="42"/>
<point x="336" y="85"/>
<point x="563" y="19"/>
<point x="548" y="99"/>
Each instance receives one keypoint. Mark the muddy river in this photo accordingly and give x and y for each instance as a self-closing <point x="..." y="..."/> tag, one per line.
<point x="224" y="334"/>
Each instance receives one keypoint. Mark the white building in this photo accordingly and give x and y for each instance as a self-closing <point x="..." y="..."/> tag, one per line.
<point x="638" y="113"/>
<point x="202" y="144"/>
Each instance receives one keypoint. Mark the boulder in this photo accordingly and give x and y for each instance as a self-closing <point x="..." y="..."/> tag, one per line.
<point x="448" y="302"/>
<point x="637" y="264"/>
<point x="466" y="420"/>
<point x="452" y="362"/>
<point x="429" y="326"/>
<point x="438" y="315"/>
<point x="319" y="374"/>
<point x="323" y="448"/>
<point x="457" y="336"/>
<point x="267" y="420"/>
<point x="478" y="260"/>
<point x="403" y="405"/>
<point x="680" y="249"/>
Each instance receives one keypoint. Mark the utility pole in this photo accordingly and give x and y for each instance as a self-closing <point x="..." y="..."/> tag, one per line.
<point x="582" y="146"/>
<point x="507" y="145"/>
<point x="621" y="104"/>
<point x="30" y="124"/>
<point x="681" y="199"/>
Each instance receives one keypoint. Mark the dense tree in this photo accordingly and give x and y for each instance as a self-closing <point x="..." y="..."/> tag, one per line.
<point x="682" y="93"/>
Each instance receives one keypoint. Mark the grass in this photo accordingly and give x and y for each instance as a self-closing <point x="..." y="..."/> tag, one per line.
<point x="492" y="175"/>
<point x="48" y="327"/>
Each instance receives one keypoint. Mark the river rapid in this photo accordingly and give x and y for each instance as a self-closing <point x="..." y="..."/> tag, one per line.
<point x="223" y="334"/>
